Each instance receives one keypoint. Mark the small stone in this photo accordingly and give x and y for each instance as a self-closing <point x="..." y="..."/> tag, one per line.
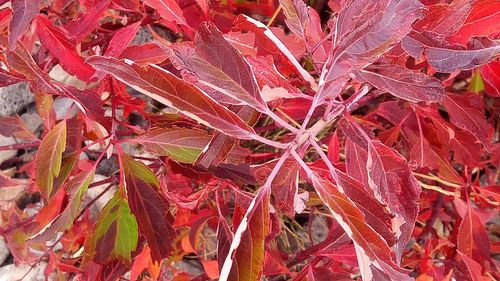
<point x="95" y="191"/>
<point x="17" y="272"/>
<point x="7" y="154"/>
<point x="4" y="250"/>
<point x="14" y="98"/>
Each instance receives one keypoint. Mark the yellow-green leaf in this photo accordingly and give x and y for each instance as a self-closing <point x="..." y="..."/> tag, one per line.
<point x="476" y="84"/>
<point x="115" y="234"/>
<point x="49" y="158"/>
<point x="180" y="144"/>
<point x="150" y="207"/>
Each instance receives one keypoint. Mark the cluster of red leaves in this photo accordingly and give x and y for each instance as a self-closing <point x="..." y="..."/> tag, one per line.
<point x="378" y="118"/>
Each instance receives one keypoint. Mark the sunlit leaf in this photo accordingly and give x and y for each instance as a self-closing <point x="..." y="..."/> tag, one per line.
<point x="163" y="86"/>
<point x="49" y="158"/>
<point x="149" y="206"/>
<point x="180" y="144"/>
<point x="23" y="12"/>
<point x="115" y="234"/>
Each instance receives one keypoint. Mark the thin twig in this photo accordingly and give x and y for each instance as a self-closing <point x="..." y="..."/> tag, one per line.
<point x="438" y="179"/>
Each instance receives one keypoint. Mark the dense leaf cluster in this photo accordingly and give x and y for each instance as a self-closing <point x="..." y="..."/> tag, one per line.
<point x="231" y="139"/>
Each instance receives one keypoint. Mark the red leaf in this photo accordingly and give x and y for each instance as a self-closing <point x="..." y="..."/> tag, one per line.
<point x="168" y="9"/>
<point x="467" y="112"/>
<point x="483" y="20"/>
<point x="221" y="69"/>
<point x="21" y="61"/>
<point x="58" y="44"/>
<point x="251" y="245"/>
<point x="122" y="39"/>
<point x="389" y="178"/>
<point x="445" y="57"/>
<point x="7" y="78"/>
<point x="473" y="268"/>
<point x="377" y="27"/>
<point x="372" y="251"/>
<point x="491" y="76"/>
<point x="443" y="18"/>
<point x="163" y="86"/>
<point x="285" y="187"/>
<point x="472" y="238"/>
<point x="403" y="83"/>
<point x="221" y="145"/>
<point x="149" y="206"/>
<point x="85" y="23"/>
<point x="144" y="54"/>
<point x="272" y="45"/>
<point x="23" y="12"/>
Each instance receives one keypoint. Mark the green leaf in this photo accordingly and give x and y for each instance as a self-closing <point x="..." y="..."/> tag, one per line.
<point x="49" y="158"/>
<point x="76" y="190"/>
<point x="150" y="207"/>
<point x="476" y="84"/>
<point x="115" y="235"/>
<point x="180" y="144"/>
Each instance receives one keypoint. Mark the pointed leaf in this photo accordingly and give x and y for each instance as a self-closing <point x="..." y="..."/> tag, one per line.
<point x="472" y="238"/>
<point x="85" y="23"/>
<point x="163" y="86"/>
<point x="220" y="68"/>
<point x="272" y="43"/>
<point x="284" y="188"/>
<point x="180" y="144"/>
<point x="115" y="234"/>
<point x="58" y="44"/>
<point x="389" y="178"/>
<point x="23" y="12"/>
<point x="491" y="77"/>
<point x="376" y="28"/>
<point x="372" y="251"/>
<point x="49" y="158"/>
<point x="21" y="61"/>
<point x="76" y="190"/>
<point x="467" y="112"/>
<point x="168" y="9"/>
<point x="444" y="18"/>
<point x="149" y="206"/>
<point x="483" y="20"/>
<point x="297" y="17"/>
<point x="122" y="39"/>
<point x="445" y="57"/>
<point x="248" y="258"/>
<point x="403" y="83"/>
